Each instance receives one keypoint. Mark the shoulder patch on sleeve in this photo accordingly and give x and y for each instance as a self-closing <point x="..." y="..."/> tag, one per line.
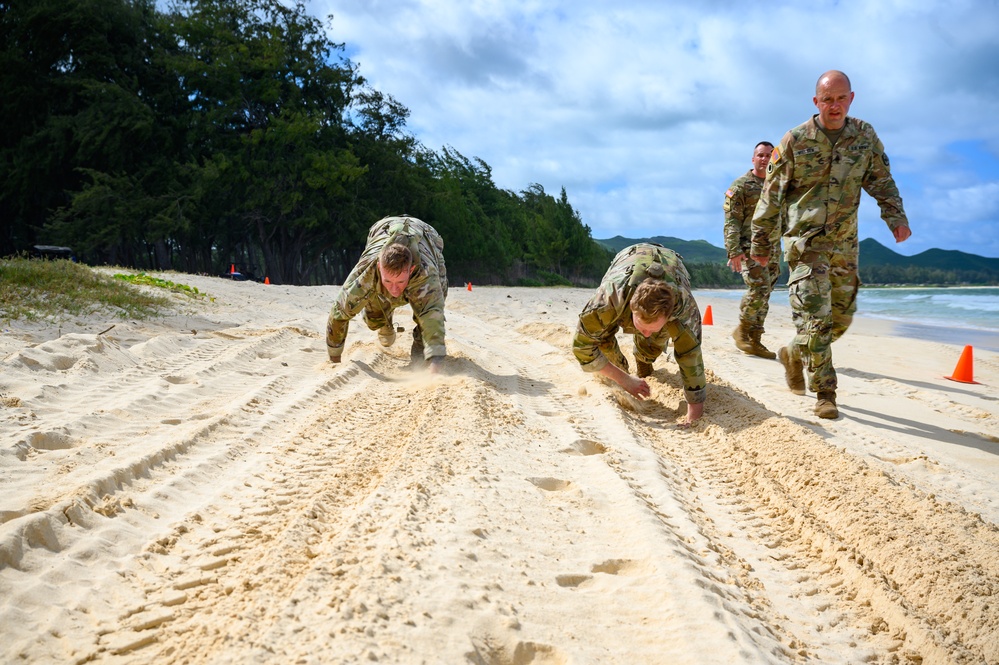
<point x="729" y="193"/>
<point x="775" y="158"/>
<point x="884" y="156"/>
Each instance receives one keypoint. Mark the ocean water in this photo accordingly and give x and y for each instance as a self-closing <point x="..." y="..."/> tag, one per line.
<point x="957" y="315"/>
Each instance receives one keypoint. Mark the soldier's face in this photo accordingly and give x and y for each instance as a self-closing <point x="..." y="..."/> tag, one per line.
<point x="760" y="158"/>
<point x="394" y="283"/>
<point x="833" y="98"/>
<point x="648" y="328"/>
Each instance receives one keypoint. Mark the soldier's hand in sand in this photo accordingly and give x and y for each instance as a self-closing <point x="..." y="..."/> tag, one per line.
<point x="634" y="386"/>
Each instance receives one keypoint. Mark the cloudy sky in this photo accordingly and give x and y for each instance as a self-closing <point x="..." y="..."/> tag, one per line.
<point x="646" y="110"/>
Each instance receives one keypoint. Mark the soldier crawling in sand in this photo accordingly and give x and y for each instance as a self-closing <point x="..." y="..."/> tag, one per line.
<point x="403" y="262"/>
<point x="646" y="292"/>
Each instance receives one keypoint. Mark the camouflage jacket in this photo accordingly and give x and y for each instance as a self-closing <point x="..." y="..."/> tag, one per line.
<point x="610" y="309"/>
<point x="820" y="184"/>
<point x="740" y="202"/>
<point x="425" y="292"/>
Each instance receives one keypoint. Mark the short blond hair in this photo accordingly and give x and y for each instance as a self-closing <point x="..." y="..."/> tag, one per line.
<point x="653" y="298"/>
<point x="396" y="258"/>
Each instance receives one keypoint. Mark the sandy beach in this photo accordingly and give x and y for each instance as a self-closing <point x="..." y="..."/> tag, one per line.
<point x="208" y="488"/>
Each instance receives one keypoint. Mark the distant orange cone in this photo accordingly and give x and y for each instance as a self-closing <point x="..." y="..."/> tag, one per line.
<point x="267" y="280"/>
<point x="708" y="319"/>
<point x="469" y="287"/>
<point x="232" y="268"/>
<point x="964" y="371"/>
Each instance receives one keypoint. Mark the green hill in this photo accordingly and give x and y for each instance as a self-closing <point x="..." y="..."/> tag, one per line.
<point x="692" y="251"/>
<point x="874" y="253"/>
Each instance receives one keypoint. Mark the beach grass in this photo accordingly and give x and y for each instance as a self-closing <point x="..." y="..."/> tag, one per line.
<point x="40" y="289"/>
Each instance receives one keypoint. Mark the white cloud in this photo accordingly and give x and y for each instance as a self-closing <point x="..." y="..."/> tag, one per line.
<point x="645" y="111"/>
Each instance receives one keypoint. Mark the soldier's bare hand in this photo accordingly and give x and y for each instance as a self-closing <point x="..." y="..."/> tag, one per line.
<point x="902" y="233"/>
<point x="762" y="260"/>
<point x="636" y="387"/>
<point x="735" y="263"/>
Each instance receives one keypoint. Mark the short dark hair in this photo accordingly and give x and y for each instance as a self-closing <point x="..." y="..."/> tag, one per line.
<point x="396" y="258"/>
<point x="766" y="143"/>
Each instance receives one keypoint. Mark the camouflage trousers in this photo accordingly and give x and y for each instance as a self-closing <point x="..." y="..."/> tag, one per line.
<point x="822" y="308"/>
<point x="760" y="281"/>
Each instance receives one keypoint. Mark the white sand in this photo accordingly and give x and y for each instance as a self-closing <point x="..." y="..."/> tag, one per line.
<point x="207" y="488"/>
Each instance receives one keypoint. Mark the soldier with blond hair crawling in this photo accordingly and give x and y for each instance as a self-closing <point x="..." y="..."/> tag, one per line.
<point x="403" y="262"/>
<point x="645" y="292"/>
<point x="818" y="172"/>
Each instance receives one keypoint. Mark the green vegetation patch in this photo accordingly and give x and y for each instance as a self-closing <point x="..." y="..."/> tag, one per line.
<point x="35" y="289"/>
<point x="148" y="280"/>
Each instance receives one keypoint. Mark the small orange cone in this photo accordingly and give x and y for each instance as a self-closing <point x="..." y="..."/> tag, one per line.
<point x="232" y="268"/>
<point x="708" y="319"/>
<point x="267" y="280"/>
<point x="964" y="371"/>
<point x="469" y="287"/>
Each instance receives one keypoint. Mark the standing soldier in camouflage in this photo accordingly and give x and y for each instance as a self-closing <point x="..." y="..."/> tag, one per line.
<point x="403" y="262"/>
<point x="740" y="202"/>
<point x="645" y="292"/>
<point x="818" y="170"/>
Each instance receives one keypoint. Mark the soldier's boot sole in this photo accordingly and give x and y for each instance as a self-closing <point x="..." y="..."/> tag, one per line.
<point x="386" y="335"/>
<point x="825" y="406"/>
<point x="794" y="372"/>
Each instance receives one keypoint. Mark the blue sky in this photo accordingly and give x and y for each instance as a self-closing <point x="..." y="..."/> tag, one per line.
<point x="646" y="110"/>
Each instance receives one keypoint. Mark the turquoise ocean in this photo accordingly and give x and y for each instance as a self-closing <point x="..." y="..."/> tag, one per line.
<point x="957" y="315"/>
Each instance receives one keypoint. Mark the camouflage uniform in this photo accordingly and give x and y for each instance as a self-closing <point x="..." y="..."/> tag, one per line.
<point x="740" y="202"/>
<point x="595" y="343"/>
<point x="425" y="292"/>
<point x="820" y="183"/>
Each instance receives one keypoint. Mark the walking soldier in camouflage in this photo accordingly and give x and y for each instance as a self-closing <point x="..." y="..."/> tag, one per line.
<point x="818" y="171"/>
<point x="403" y="262"/>
<point x="645" y="292"/>
<point x="740" y="203"/>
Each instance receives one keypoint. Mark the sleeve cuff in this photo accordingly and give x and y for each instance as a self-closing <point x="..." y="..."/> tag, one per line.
<point x="696" y="396"/>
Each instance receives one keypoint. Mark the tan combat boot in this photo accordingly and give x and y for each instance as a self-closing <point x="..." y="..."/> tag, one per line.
<point x="643" y="369"/>
<point x="793" y="371"/>
<point x="741" y="337"/>
<point x="755" y="334"/>
<point x="825" y="407"/>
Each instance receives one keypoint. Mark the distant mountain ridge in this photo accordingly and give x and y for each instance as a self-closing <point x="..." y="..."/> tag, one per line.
<point x="693" y="251"/>
<point x="872" y="253"/>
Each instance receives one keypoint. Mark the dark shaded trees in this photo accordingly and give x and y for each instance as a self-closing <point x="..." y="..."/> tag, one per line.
<point x="235" y="132"/>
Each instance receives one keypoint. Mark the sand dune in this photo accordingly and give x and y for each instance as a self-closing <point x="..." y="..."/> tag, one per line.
<point x="207" y="488"/>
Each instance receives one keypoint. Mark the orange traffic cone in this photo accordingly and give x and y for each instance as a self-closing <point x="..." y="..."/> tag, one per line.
<point x="964" y="371"/>
<point x="267" y="280"/>
<point x="232" y="268"/>
<point x="708" y="319"/>
<point x="469" y="287"/>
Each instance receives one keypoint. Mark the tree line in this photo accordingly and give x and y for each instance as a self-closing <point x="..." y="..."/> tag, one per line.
<point x="226" y="132"/>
